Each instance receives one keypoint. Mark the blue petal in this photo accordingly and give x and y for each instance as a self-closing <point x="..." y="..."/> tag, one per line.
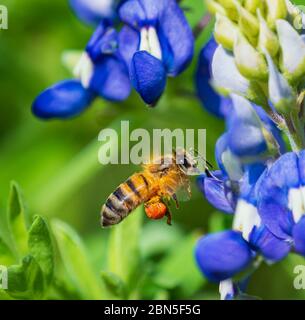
<point x="110" y="79"/>
<point x="93" y="11"/>
<point x="213" y="102"/>
<point x="103" y="41"/>
<point x="133" y="13"/>
<point x="63" y="100"/>
<point x="207" y="95"/>
<point x="252" y="174"/>
<point x="129" y="40"/>
<point x="222" y="255"/>
<point x="207" y="54"/>
<point x="148" y="76"/>
<point x="245" y="135"/>
<point x="227" y="162"/>
<point x="271" y="247"/>
<point x="273" y="195"/>
<point x="139" y="13"/>
<point x="246" y="140"/>
<point x="220" y="148"/>
<point x="176" y="38"/>
<point x="215" y="192"/>
<point x="299" y="236"/>
<point x="302" y="167"/>
<point x="272" y="207"/>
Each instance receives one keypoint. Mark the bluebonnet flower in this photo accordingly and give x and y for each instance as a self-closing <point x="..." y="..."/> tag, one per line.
<point x="234" y="190"/>
<point x="160" y="44"/>
<point x="210" y="99"/>
<point x="101" y="71"/>
<point x="94" y="11"/>
<point x="282" y="199"/>
<point x="223" y="255"/>
<point x="233" y="153"/>
<point x="258" y="183"/>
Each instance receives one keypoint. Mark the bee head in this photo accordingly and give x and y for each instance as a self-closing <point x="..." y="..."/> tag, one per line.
<point x="186" y="162"/>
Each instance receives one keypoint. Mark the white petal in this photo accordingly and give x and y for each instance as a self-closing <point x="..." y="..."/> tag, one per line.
<point x="226" y="75"/>
<point x="246" y="218"/>
<point x="292" y="10"/>
<point x="279" y="88"/>
<point x="293" y="47"/>
<point x="226" y="289"/>
<point x="150" y="42"/>
<point x="84" y="70"/>
<point x="154" y="43"/>
<point x="144" y="44"/>
<point x="296" y="197"/>
<point x="232" y="165"/>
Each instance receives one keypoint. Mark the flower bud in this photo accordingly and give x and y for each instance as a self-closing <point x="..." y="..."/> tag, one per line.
<point x="250" y="62"/>
<point x="277" y="9"/>
<point x="291" y="9"/>
<point x="248" y="23"/>
<point x="267" y="38"/>
<point x="296" y="16"/>
<point x="227" y="78"/>
<point x="280" y="93"/>
<point x="230" y="8"/>
<point x="253" y="5"/>
<point x="214" y="7"/>
<point x="293" y="51"/>
<point x="225" y="31"/>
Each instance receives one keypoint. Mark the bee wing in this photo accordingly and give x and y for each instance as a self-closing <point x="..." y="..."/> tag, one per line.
<point x="183" y="193"/>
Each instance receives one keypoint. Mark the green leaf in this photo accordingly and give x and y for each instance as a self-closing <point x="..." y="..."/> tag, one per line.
<point x="79" y="269"/>
<point x="123" y="248"/>
<point x="17" y="218"/>
<point x="25" y="281"/>
<point x="157" y="239"/>
<point x="179" y="270"/>
<point x="114" y="284"/>
<point x="6" y="255"/>
<point x="41" y="246"/>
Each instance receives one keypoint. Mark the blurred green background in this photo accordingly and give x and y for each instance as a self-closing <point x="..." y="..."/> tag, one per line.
<point x="55" y="163"/>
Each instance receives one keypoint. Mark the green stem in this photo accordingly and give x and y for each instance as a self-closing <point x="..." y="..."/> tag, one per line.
<point x="69" y="179"/>
<point x="295" y="131"/>
<point x="204" y="21"/>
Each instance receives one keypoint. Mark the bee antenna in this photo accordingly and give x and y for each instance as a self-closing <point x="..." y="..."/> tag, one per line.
<point x="209" y="164"/>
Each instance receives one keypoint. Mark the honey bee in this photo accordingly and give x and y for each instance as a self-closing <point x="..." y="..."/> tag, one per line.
<point x="155" y="186"/>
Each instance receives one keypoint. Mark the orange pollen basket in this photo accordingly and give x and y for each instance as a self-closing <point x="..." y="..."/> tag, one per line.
<point x="156" y="210"/>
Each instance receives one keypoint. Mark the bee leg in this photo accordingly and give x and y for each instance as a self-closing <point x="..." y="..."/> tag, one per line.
<point x="169" y="217"/>
<point x="174" y="197"/>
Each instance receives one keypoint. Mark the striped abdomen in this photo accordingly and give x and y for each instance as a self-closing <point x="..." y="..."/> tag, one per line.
<point x="128" y="196"/>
